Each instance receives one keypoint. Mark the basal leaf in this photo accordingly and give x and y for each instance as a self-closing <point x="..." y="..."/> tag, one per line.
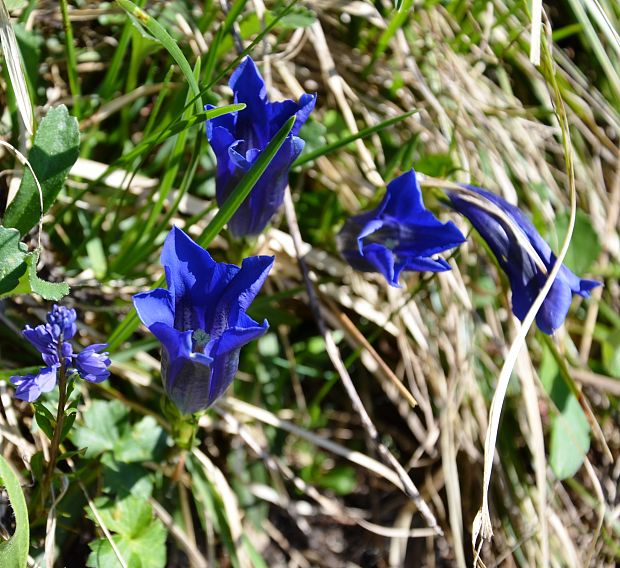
<point x="140" y="538"/>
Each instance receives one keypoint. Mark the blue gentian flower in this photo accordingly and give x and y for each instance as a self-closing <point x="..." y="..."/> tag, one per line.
<point x="238" y="138"/>
<point x="51" y="340"/>
<point x="200" y="319"/>
<point x="400" y="234"/>
<point x="523" y="255"/>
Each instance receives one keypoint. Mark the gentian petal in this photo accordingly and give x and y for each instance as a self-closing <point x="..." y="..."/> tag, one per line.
<point x="155" y="306"/>
<point x="400" y="234"/>
<point x="238" y="138"/>
<point x="226" y="351"/>
<point x="240" y="293"/>
<point x="199" y="362"/>
<point x="281" y="111"/>
<point x="265" y="199"/>
<point x="187" y="263"/>
<point x="382" y="260"/>
<point x="523" y="254"/>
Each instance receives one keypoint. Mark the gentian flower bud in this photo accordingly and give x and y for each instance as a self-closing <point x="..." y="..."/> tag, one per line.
<point x="523" y="255"/>
<point x="400" y="234"/>
<point x="200" y="319"/>
<point x="238" y="138"/>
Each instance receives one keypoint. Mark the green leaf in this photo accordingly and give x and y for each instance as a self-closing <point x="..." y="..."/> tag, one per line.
<point x="570" y="439"/>
<point x="55" y="150"/>
<point x="14" y="552"/>
<point x="298" y="17"/>
<point x="102" y="427"/>
<point x="12" y="260"/>
<point x="124" y="479"/>
<point x="570" y="431"/>
<point x="144" y="442"/>
<point x="140" y="538"/>
<point x="584" y="247"/>
<point x="177" y="127"/>
<point x="30" y="281"/>
<point x="43" y="422"/>
<point x="18" y="269"/>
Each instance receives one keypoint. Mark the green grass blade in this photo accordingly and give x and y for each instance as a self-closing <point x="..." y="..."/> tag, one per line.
<point x="158" y="31"/>
<point x="176" y="128"/>
<point x="305" y="158"/>
<point x="236" y="198"/>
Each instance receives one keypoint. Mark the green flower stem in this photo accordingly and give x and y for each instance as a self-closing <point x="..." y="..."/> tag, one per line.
<point x="55" y="443"/>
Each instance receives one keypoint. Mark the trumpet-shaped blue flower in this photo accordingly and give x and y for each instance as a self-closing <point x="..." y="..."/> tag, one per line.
<point x="238" y="138"/>
<point x="400" y="234"/>
<point x="523" y="255"/>
<point x="200" y="319"/>
<point x="51" y="340"/>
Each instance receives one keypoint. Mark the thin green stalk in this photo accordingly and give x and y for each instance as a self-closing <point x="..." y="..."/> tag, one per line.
<point x="74" y="82"/>
<point x="55" y="443"/>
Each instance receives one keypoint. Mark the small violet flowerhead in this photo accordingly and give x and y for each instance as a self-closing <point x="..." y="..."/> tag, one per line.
<point x="51" y="340"/>
<point x="238" y="138"/>
<point x="400" y="234"/>
<point x="200" y="319"/>
<point x="93" y="365"/>
<point x="523" y="255"/>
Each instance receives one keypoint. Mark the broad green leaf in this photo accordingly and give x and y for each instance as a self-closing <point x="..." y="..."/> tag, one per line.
<point x="14" y="552"/>
<point x="101" y="429"/>
<point x="140" y="538"/>
<point x="298" y="17"/>
<point x="570" y="431"/>
<point x="124" y="479"/>
<point x="55" y="150"/>
<point x="12" y="260"/>
<point x="144" y="442"/>
<point x="30" y="281"/>
<point x="570" y="439"/>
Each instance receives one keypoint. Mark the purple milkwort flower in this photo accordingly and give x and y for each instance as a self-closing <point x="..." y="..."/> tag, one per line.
<point x="30" y="387"/>
<point x="523" y="255"/>
<point x="400" y="234"/>
<point x="200" y="319"/>
<point x="51" y="340"/>
<point x="93" y="365"/>
<point x="239" y="137"/>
